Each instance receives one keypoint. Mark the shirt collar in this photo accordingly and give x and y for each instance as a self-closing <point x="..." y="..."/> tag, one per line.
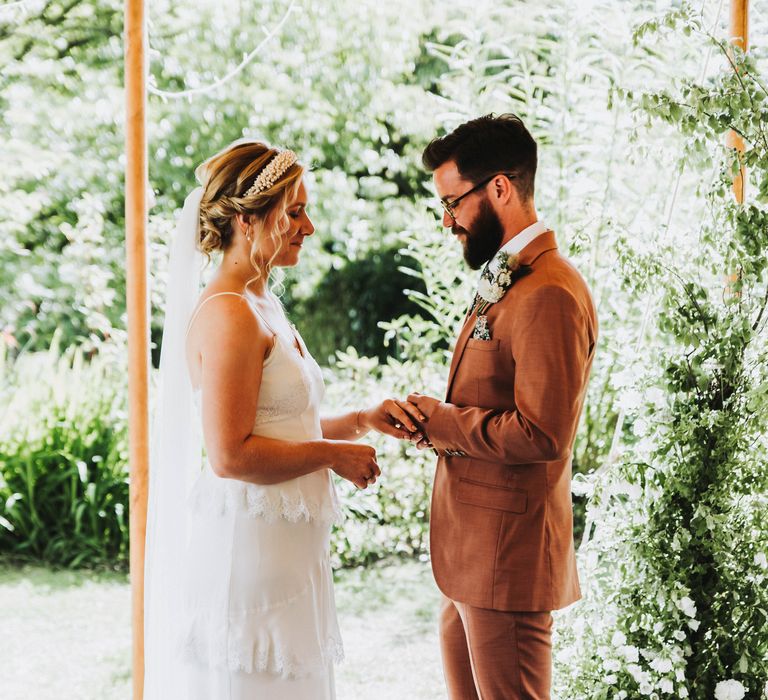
<point x="518" y="242"/>
<point x="522" y="239"/>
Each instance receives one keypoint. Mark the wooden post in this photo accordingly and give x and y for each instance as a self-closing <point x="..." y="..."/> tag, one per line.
<point x="739" y="36"/>
<point x="138" y="314"/>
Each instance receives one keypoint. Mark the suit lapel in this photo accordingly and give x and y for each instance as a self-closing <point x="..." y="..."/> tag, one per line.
<point x="461" y="344"/>
<point x="542" y="244"/>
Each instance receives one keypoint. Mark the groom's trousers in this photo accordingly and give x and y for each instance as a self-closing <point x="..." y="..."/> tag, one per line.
<point x="495" y="655"/>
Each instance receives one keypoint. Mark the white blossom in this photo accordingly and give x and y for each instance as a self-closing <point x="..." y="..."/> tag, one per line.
<point x="611" y="679"/>
<point x="504" y="278"/>
<point x="489" y="292"/>
<point x="630" y="653"/>
<point x="687" y="606"/>
<point x="761" y="560"/>
<point x="656" y="396"/>
<point x="619" y="639"/>
<point x="630" y="400"/>
<point x="661" y="665"/>
<point x="637" y="673"/>
<point x="729" y="690"/>
<point x="666" y="686"/>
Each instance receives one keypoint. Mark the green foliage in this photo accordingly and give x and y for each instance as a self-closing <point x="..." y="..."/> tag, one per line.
<point x="63" y="475"/>
<point x="677" y="574"/>
<point x="314" y="87"/>
<point x="348" y="304"/>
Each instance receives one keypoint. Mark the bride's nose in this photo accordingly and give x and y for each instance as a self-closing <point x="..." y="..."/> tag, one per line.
<point x="308" y="228"/>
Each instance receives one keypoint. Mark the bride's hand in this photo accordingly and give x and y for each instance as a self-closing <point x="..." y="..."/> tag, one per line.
<point x="395" y="418"/>
<point x="355" y="462"/>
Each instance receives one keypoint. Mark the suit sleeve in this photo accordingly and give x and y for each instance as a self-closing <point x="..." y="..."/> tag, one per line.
<point x="551" y="343"/>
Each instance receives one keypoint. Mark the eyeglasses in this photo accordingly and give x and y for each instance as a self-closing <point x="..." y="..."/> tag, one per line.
<point x="450" y="207"/>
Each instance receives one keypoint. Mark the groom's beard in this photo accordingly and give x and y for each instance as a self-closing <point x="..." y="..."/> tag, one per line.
<point x="483" y="238"/>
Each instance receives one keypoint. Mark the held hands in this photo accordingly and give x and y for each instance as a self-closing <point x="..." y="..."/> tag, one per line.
<point x="402" y="419"/>
<point x="356" y="463"/>
<point x="425" y="405"/>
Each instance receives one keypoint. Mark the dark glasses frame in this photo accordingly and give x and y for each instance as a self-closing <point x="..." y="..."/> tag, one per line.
<point x="450" y="207"/>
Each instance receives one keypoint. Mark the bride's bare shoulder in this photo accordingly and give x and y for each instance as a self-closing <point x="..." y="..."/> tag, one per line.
<point x="223" y="312"/>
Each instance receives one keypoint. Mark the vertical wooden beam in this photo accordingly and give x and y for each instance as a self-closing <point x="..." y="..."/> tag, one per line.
<point x="739" y="36"/>
<point x="138" y="314"/>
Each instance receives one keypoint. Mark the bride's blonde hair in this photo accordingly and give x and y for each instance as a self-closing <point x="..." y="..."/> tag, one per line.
<point x="226" y="178"/>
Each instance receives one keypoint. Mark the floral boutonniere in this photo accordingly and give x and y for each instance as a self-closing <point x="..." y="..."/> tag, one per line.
<point x="497" y="277"/>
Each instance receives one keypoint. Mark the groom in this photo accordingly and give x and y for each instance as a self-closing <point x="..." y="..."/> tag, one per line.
<point x="501" y="520"/>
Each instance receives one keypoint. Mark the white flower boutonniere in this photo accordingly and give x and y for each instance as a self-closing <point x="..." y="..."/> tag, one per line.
<point x="497" y="277"/>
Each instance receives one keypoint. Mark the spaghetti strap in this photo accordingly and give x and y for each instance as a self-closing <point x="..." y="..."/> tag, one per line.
<point x="235" y="294"/>
<point x="207" y="299"/>
<point x="264" y="321"/>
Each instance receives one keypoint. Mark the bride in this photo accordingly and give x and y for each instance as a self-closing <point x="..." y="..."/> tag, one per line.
<point x="239" y="597"/>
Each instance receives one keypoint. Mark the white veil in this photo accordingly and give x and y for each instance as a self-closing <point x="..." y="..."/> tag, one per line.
<point x="175" y="459"/>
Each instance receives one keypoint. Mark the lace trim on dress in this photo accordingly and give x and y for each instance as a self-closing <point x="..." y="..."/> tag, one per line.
<point x="233" y="647"/>
<point x="294" y="400"/>
<point x="212" y="495"/>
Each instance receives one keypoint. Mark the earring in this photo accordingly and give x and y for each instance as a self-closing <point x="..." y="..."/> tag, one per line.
<point x="248" y="235"/>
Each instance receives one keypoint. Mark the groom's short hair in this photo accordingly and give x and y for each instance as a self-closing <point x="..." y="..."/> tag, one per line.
<point x="487" y="145"/>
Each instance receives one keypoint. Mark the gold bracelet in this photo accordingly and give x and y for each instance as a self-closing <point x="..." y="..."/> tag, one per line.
<point x="357" y="423"/>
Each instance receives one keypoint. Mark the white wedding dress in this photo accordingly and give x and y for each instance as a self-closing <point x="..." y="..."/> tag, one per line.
<point x="260" y="619"/>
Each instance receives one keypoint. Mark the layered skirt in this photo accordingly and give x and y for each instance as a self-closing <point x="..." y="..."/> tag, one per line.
<point x="261" y="618"/>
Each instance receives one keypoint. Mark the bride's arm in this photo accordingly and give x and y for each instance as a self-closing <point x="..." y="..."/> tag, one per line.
<point x="347" y="426"/>
<point x="232" y="347"/>
<point x="388" y="418"/>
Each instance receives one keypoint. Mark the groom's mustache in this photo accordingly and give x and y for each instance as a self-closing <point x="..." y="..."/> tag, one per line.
<point x="456" y="230"/>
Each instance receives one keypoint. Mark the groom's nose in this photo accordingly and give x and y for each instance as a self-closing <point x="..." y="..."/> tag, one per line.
<point x="448" y="220"/>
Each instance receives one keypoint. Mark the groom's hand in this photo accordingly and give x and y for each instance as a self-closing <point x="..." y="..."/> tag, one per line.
<point x="425" y="405"/>
<point x="396" y="418"/>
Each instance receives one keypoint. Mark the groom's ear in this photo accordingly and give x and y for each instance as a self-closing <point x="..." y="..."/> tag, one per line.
<point x="503" y="191"/>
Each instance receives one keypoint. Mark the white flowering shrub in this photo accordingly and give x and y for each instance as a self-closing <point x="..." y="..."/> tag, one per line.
<point x="676" y="583"/>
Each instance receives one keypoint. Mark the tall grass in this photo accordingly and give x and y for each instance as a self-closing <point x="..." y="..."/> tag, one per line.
<point x="63" y="456"/>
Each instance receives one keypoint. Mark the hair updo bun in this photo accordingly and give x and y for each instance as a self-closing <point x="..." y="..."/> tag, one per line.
<point x="226" y="178"/>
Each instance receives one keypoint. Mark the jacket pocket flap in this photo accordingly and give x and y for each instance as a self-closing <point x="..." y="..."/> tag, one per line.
<point x="475" y="493"/>
<point x="487" y="345"/>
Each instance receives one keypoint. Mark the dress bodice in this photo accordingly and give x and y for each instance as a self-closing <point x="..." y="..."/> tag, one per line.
<point x="287" y="408"/>
<point x="290" y="394"/>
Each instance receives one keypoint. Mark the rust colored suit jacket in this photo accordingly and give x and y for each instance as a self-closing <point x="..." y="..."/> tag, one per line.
<point x="501" y="531"/>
